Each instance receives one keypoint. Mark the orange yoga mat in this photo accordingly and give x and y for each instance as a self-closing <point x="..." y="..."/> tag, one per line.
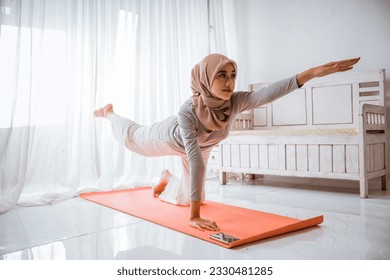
<point x="245" y="224"/>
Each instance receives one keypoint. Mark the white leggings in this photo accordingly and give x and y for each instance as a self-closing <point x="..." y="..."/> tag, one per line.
<point x="145" y="141"/>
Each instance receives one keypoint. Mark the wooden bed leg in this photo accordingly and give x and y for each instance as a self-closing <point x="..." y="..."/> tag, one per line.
<point x="252" y="177"/>
<point x="383" y="183"/>
<point x="222" y="178"/>
<point x="363" y="188"/>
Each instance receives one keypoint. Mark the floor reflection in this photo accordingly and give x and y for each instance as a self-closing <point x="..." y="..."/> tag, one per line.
<point x="75" y="229"/>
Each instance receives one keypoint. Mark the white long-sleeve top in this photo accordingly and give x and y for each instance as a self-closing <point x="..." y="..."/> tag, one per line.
<point x="188" y="136"/>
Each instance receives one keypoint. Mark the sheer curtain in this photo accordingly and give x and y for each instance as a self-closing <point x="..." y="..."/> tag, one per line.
<point x="61" y="59"/>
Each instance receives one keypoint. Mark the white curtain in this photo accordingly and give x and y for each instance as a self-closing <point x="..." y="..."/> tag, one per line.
<point x="61" y="59"/>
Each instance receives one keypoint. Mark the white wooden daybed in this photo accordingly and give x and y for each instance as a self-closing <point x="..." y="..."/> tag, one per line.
<point x="333" y="127"/>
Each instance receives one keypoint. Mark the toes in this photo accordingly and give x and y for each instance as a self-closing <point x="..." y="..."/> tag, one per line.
<point x="104" y="111"/>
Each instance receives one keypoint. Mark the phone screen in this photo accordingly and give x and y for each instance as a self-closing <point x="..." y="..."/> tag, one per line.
<point x="222" y="237"/>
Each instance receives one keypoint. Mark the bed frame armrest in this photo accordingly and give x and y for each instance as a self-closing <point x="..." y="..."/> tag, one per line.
<point x="373" y="119"/>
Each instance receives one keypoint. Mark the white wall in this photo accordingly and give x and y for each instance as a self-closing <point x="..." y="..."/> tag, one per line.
<point x="278" y="38"/>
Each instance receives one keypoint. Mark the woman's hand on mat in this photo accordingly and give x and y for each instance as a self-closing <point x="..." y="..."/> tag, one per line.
<point x="203" y="224"/>
<point x="326" y="69"/>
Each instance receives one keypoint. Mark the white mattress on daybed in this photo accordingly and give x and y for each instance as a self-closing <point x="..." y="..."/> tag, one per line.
<point x="280" y="132"/>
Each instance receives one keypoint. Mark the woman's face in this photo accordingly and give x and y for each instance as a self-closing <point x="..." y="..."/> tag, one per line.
<point x="224" y="82"/>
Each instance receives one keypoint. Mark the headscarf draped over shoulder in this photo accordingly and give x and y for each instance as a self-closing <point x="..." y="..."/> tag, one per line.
<point x="213" y="112"/>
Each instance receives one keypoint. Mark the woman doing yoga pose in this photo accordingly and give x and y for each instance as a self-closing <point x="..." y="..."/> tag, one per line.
<point x="203" y="121"/>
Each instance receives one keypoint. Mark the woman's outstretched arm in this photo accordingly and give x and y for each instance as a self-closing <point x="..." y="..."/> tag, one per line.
<point x="326" y="69"/>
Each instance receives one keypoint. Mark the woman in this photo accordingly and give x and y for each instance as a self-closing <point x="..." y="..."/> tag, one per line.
<point x="202" y="122"/>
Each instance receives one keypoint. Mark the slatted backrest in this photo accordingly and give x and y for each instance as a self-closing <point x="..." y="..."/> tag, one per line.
<point x="330" y="102"/>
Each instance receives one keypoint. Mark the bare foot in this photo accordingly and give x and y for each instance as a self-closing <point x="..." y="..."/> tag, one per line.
<point x="160" y="187"/>
<point x="104" y="111"/>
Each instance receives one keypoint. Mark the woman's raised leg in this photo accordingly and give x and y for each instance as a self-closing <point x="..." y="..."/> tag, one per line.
<point x="104" y="112"/>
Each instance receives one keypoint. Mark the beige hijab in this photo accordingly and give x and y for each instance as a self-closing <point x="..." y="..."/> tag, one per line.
<point x="213" y="112"/>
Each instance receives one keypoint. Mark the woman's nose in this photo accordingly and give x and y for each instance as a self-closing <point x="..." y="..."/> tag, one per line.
<point x="229" y="81"/>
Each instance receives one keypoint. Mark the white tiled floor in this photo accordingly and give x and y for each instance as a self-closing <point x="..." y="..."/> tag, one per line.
<point x="353" y="228"/>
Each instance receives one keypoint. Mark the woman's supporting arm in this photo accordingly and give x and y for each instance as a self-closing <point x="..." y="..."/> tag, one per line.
<point x="196" y="221"/>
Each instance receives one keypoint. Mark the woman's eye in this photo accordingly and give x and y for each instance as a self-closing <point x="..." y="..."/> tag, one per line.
<point x="224" y="76"/>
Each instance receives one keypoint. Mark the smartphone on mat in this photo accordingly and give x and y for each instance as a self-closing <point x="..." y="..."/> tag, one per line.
<point x="223" y="237"/>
